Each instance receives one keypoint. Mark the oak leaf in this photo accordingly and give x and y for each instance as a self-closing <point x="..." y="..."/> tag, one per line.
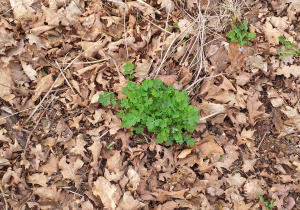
<point x="69" y="171"/>
<point x="107" y="192"/>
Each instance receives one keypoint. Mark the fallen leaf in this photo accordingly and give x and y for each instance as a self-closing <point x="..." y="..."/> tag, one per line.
<point x="38" y="179"/>
<point x="107" y="192"/>
<point x="255" y="108"/>
<point x="184" y="153"/>
<point x="127" y="202"/>
<point x="167" y="79"/>
<point x="43" y="85"/>
<point x="287" y="71"/>
<point x="69" y="171"/>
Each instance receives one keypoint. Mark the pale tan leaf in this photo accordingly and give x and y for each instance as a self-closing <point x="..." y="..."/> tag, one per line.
<point x="43" y="85"/>
<point x="184" y="153"/>
<point x="38" y="179"/>
<point x="107" y="192"/>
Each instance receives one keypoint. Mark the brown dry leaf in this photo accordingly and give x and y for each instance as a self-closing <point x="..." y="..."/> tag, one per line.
<point x="43" y="85"/>
<point x="73" y="11"/>
<point x="214" y="185"/>
<point x="79" y="149"/>
<point x="287" y="71"/>
<point x="254" y="186"/>
<point x="127" y="202"/>
<point x="209" y="110"/>
<point x="97" y="115"/>
<point x="37" y="40"/>
<point x="134" y="179"/>
<point x="51" y="166"/>
<point x="241" y="205"/>
<point x="271" y="33"/>
<point x="6" y="84"/>
<point x="69" y="170"/>
<point x="236" y="180"/>
<point x="112" y="122"/>
<point x="236" y="58"/>
<point x="246" y="137"/>
<point x="53" y="18"/>
<point x="95" y="149"/>
<point x="220" y="59"/>
<point x="255" y="108"/>
<point x="92" y="48"/>
<point x="29" y="71"/>
<point x="119" y="86"/>
<point x="184" y="153"/>
<point x="257" y="62"/>
<point x="142" y="68"/>
<point x="48" y="193"/>
<point x="232" y="155"/>
<point x="293" y="118"/>
<point x="125" y="137"/>
<point x="107" y="192"/>
<point x="167" y="79"/>
<point x="22" y="9"/>
<point x="248" y="165"/>
<point x="209" y="148"/>
<point x="38" y="179"/>
<point x="11" y="177"/>
<point x="163" y="195"/>
<point x="4" y="162"/>
<point x="75" y="122"/>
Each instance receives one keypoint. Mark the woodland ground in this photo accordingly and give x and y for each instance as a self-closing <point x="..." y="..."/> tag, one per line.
<point x="61" y="149"/>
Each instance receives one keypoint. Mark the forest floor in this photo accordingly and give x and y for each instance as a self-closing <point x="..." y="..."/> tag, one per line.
<point x="61" y="149"/>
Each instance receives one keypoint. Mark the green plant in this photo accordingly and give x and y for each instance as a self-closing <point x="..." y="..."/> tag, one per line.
<point x="240" y="34"/>
<point x="292" y="48"/>
<point x="119" y="36"/>
<point x="109" y="148"/>
<point x="44" y="73"/>
<point x="107" y="98"/>
<point x="268" y="204"/>
<point x="175" y="25"/>
<point x="128" y="67"/>
<point x="159" y="109"/>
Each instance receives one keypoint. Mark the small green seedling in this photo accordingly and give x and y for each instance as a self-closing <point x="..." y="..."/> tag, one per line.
<point x="141" y="18"/>
<point x="159" y="109"/>
<point x="109" y="148"/>
<point x="107" y="98"/>
<point x="292" y="48"/>
<point x="175" y="25"/>
<point x="268" y="204"/>
<point x="128" y="67"/>
<point x="44" y="73"/>
<point x="119" y="36"/>
<point x="240" y="34"/>
<point x="222" y="157"/>
<point x="186" y="37"/>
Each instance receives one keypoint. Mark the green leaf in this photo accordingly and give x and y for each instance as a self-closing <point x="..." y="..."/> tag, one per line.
<point x="175" y="25"/>
<point x="103" y="100"/>
<point x="128" y="67"/>
<point x="159" y="109"/>
<point x="240" y="34"/>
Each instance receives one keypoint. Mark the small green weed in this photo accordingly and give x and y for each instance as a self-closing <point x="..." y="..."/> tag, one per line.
<point x="44" y="73"/>
<point x="268" y="204"/>
<point x="159" y="109"/>
<point x="109" y="148"/>
<point x="119" y="36"/>
<point x="292" y="48"/>
<point x="107" y="98"/>
<point x="176" y="25"/>
<point x="240" y="34"/>
<point x="128" y="67"/>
